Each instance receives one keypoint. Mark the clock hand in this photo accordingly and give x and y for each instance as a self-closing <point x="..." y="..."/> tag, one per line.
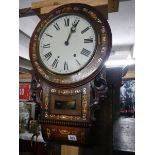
<point x="75" y="23"/>
<point x="67" y="41"/>
<point x="72" y="30"/>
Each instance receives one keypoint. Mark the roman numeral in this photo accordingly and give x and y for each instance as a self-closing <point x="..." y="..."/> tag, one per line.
<point x="48" y="35"/>
<point x="65" y="66"/>
<point x="66" y="20"/>
<point x="46" y="46"/>
<point x="57" y="27"/>
<point x="85" y="52"/>
<point x="90" y="40"/>
<point x="55" y="63"/>
<point x="78" y="62"/>
<point x="48" y="55"/>
<point x="86" y="29"/>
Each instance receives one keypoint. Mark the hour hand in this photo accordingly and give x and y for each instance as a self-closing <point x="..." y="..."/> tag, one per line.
<point x="73" y="28"/>
<point x="75" y="23"/>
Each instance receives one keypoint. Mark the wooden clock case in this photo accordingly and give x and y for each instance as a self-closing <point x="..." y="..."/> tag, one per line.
<point x="72" y="125"/>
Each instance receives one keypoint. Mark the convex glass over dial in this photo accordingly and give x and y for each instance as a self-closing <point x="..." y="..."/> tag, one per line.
<point x="67" y="44"/>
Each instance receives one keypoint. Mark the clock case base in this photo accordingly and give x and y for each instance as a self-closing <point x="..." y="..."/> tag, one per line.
<point x="62" y="124"/>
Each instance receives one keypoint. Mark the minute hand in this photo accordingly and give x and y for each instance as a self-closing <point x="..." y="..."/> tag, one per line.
<point x="72" y="30"/>
<point x="70" y="33"/>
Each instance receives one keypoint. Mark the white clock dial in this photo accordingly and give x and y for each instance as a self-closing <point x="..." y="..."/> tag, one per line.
<point x="67" y="44"/>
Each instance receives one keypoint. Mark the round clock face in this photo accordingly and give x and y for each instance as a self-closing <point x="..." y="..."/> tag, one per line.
<point x="70" y="45"/>
<point x="67" y="44"/>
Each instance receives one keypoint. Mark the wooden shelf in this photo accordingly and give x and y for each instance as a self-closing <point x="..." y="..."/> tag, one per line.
<point x="104" y="6"/>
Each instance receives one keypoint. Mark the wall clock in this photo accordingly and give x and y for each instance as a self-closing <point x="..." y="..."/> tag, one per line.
<point x="70" y="45"/>
<point x="68" y="49"/>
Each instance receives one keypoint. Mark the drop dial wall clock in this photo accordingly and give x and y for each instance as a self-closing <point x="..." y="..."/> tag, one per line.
<point x="68" y="49"/>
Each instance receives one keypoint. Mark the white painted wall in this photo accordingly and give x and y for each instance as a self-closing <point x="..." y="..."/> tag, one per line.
<point x="122" y="24"/>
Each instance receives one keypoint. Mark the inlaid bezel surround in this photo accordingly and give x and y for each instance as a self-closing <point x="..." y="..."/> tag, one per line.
<point x="103" y="47"/>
